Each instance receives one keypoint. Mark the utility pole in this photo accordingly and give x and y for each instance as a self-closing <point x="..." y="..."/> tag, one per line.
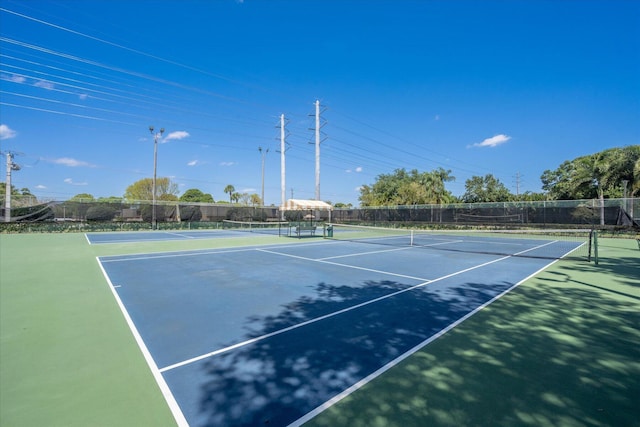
<point x="264" y="154"/>
<point x="317" y="150"/>
<point x="154" y="220"/>
<point x="317" y="143"/>
<point x="517" y="183"/>
<point x="7" y="200"/>
<point x="283" y="195"/>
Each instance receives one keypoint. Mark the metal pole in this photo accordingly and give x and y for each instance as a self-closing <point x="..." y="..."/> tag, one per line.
<point x="317" y="150"/>
<point x="154" y="221"/>
<point x="625" y="203"/>
<point x="282" y="166"/>
<point x="264" y="154"/>
<point x="7" y="199"/>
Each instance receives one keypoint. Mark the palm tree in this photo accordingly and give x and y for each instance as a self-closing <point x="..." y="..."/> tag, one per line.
<point x="230" y="189"/>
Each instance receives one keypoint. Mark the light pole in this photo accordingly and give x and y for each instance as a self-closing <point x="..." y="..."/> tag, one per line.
<point x="154" y="223"/>
<point x="11" y="166"/>
<point x="263" y="156"/>
<point x="624" y="194"/>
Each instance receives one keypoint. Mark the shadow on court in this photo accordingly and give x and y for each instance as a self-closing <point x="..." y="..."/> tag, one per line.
<point x="563" y="351"/>
<point x="278" y="380"/>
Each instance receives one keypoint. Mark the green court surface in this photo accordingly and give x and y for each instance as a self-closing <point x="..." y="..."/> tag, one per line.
<point x="562" y="349"/>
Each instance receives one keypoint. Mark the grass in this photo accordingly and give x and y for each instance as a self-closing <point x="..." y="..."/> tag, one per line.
<point x="561" y="349"/>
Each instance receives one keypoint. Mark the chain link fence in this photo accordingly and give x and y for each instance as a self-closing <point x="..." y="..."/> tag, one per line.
<point x="29" y="214"/>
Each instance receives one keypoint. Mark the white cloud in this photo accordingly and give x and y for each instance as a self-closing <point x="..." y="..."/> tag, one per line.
<point x="196" y="163"/>
<point x="41" y="187"/>
<point x="494" y="141"/>
<point x="6" y="132"/>
<point x="15" y="78"/>
<point x="67" y="161"/>
<point x="228" y="163"/>
<point x="357" y="170"/>
<point x="177" y="135"/>
<point x="44" y="84"/>
<point x="83" y="96"/>
<point x="70" y="182"/>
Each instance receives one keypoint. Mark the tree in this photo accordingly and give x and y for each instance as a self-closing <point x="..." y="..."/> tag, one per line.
<point x="407" y="188"/>
<point x="196" y="196"/>
<point x="343" y="205"/>
<point x="485" y="189"/>
<point x="255" y="200"/>
<point x="82" y="197"/>
<point x="14" y="190"/>
<point x="143" y="190"/>
<point x="230" y="189"/>
<point x="597" y="175"/>
<point x="110" y="199"/>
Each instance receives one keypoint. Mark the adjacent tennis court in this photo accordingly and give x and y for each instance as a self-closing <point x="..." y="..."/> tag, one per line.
<point x="272" y="335"/>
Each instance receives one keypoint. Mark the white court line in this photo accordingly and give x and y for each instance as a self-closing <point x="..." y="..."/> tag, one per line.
<point x="313" y="413"/>
<point x="198" y="252"/>
<point x="171" y="255"/>
<point x="164" y="388"/>
<point x="322" y="261"/>
<point x="326" y="316"/>
<point x="180" y="235"/>
<point x="364" y="253"/>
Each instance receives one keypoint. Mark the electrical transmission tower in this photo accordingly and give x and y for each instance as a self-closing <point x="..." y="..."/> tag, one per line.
<point x="518" y="181"/>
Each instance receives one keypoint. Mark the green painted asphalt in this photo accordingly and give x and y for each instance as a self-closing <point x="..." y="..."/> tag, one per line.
<point x="562" y="349"/>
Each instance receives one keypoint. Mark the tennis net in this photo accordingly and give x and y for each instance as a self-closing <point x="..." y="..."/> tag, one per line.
<point x="532" y="243"/>
<point x="278" y="228"/>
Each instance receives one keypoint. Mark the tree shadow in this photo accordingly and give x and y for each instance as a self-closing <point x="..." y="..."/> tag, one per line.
<point x="543" y="355"/>
<point x="277" y="380"/>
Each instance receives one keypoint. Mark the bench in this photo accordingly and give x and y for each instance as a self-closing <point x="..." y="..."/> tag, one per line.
<point x="302" y="228"/>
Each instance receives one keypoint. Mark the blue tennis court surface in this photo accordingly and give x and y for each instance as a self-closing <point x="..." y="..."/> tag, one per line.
<point x="268" y="335"/>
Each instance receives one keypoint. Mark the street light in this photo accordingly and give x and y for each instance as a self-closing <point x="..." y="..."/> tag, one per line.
<point x="154" y="223"/>
<point x="263" y="156"/>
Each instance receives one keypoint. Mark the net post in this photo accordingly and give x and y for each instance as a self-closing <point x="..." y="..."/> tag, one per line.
<point x="411" y="244"/>
<point x="595" y="246"/>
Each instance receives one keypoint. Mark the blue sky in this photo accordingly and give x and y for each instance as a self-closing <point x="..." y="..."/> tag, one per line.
<point x="510" y="88"/>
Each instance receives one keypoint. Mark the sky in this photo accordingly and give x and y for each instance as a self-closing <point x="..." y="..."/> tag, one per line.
<point x="509" y="88"/>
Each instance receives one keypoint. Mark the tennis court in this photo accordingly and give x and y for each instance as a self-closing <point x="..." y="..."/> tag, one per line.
<point x="560" y="349"/>
<point x="229" y="229"/>
<point x="272" y="335"/>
